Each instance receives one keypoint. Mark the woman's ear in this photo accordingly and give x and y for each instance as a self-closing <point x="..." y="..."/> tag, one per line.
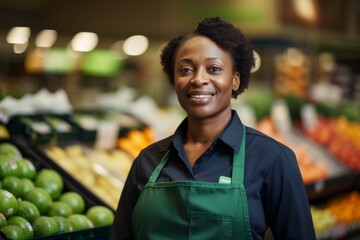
<point x="236" y="81"/>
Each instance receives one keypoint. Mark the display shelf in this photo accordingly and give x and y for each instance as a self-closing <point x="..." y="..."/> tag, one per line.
<point x="342" y="231"/>
<point x="70" y="184"/>
<point x="324" y="189"/>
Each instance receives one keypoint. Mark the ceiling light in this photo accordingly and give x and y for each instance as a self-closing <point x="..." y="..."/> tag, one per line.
<point x="20" y="48"/>
<point x="257" y="62"/>
<point x="306" y="9"/>
<point x="84" y="41"/>
<point x="18" y="35"/>
<point x="135" y="45"/>
<point x="46" y="38"/>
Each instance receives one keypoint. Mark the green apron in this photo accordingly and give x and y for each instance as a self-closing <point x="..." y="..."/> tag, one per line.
<point x="192" y="209"/>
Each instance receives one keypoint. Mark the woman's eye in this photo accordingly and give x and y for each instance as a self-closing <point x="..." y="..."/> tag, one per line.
<point x="214" y="69"/>
<point x="185" y="70"/>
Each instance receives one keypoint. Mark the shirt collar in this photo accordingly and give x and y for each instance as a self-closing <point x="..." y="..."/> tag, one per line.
<point x="232" y="135"/>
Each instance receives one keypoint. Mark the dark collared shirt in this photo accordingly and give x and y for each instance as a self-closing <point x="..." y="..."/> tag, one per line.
<point x="275" y="190"/>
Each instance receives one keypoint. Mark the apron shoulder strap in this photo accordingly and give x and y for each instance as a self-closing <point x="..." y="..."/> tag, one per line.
<point x="159" y="167"/>
<point x="239" y="162"/>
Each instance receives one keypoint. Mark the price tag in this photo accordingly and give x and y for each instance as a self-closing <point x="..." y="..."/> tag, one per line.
<point x="107" y="134"/>
<point x="309" y="117"/>
<point x="319" y="186"/>
<point x="280" y="116"/>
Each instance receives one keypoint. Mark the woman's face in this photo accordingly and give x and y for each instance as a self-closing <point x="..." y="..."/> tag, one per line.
<point x="204" y="78"/>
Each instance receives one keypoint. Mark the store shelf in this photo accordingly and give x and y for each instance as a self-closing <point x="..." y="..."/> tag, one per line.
<point x="322" y="190"/>
<point x="70" y="184"/>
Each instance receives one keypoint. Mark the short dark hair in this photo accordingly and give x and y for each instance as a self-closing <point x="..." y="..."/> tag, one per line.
<point x="226" y="36"/>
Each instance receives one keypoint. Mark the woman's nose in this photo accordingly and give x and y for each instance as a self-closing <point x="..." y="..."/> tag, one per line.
<point x="200" y="77"/>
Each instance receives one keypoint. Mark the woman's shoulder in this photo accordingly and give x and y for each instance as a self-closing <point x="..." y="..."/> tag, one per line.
<point x="265" y="152"/>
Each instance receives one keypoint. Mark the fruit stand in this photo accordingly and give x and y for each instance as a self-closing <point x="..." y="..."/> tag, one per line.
<point x="39" y="199"/>
<point x="93" y="151"/>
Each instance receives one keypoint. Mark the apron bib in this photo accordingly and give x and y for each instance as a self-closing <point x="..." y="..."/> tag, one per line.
<point x="193" y="210"/>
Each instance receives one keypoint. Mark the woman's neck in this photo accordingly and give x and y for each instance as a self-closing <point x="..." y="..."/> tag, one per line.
<point x="203" y="131"/>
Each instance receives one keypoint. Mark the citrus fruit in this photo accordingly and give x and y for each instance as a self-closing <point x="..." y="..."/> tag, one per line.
<point x="60" y="209"/>
<point x="27" y="168"/>
<point x="3" y="221"/>
<point x="63" y="224"/>
<point x="14" y="185"/>
<point x="27" y="185"/>
<point x="8" y="167"/>
<point x="51" y="181"/>
<point x="10" y="150"/>
<point x="8" y="203"/>
<point x="13" y="232"/>
<point x="74" y="200"/>
<point x="4" y="132"/>
<point x="40" y="198"/>
<point x="100" y="215"/>
<point x="45" y="226"/>
<point x="28" y="210"/>
<point x="24" y="224"/>
<point x="80" y="222"/>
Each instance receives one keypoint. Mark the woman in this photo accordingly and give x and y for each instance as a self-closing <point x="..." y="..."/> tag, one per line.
<point x="214" y="178"/>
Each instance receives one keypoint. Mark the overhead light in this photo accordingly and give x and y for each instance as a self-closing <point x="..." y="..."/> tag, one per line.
<point x="20" y="48"/>
<point x="306" y="9"/>
<point x="46" y="38"/>
<point x="18" y="35"/>
<point x="135" y="45"/>
<point x="84" y="41"/>
<point x="257" y="62"/>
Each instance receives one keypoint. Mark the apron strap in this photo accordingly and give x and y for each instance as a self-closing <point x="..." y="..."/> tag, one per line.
<point x="237" y="170"/>
<point x="159" y="167"/>
<point x="239" y="162"/>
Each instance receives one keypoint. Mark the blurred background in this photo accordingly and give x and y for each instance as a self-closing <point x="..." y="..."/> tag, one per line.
<point x="325" y="32"/>
<point x="82" y="86"/>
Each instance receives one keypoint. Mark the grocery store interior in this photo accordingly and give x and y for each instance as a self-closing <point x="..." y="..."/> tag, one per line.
<point x="82" y="91"/>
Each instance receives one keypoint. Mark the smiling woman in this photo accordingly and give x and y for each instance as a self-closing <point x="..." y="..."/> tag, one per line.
<point x="204" y="78"/>
<point x="214" y="178"/>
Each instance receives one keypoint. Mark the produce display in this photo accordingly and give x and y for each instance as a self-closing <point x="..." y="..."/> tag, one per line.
<point x="36" y="201"/>
<point x="338" y="216"/>
<point x="135" y="140"/>
<point x="341" y="137"/>
<point x="102" y="172"/>
<point x="311" y="170"/>
<point x="78" y="144"/>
